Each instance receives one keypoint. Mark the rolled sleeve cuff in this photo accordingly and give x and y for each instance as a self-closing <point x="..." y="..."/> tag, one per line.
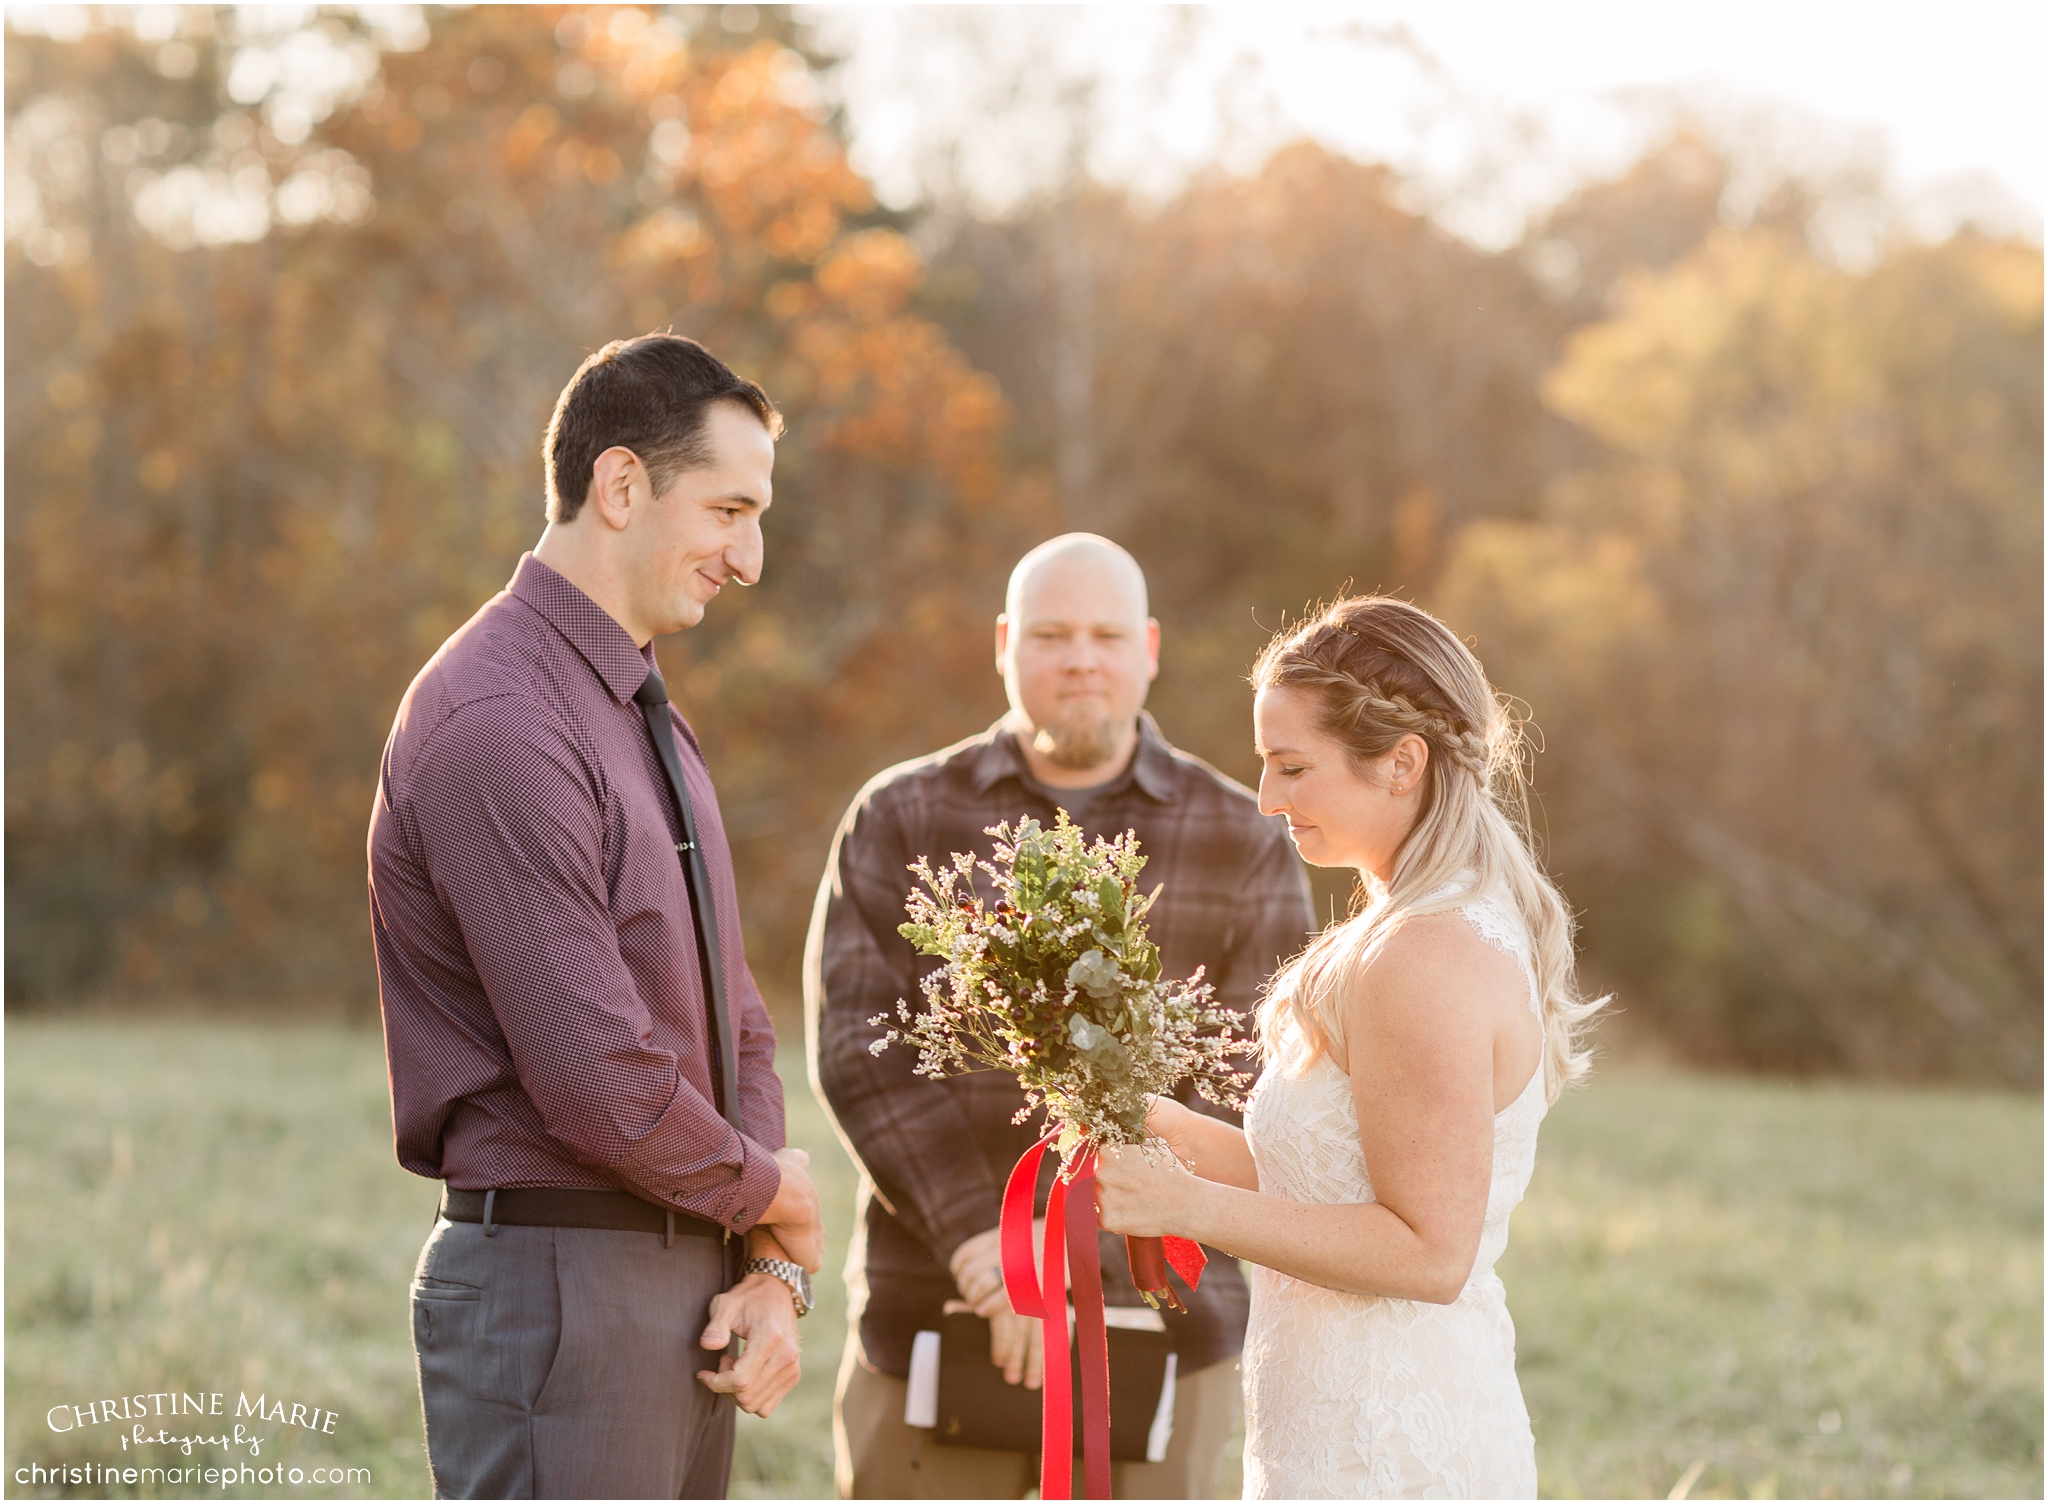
<point x="738" y="1205"/>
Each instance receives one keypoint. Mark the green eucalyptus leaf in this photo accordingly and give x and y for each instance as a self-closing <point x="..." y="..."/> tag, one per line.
<point x="1094" y="973"/>
<point x="1110" y="894"/>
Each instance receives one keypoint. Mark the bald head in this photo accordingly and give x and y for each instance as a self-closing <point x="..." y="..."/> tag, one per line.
<point x="1086" y="562"/>
<point x="1077" y="650"/>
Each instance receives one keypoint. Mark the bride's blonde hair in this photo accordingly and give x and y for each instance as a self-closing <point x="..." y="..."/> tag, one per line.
<point x="1378" y="669"/>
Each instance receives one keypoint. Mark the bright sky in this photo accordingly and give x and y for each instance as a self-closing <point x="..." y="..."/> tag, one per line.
<point x="1530" y="97"/>
<point x="1955" y="88"/>
<point x="1494" y="110"/>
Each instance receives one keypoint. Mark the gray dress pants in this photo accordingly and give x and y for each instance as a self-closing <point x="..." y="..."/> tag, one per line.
<point x="561" y="1363"/>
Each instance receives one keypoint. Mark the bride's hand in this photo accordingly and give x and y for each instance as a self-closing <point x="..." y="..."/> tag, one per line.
<point x="1137" y="1196"/>
<point x="1167" y="1119"/>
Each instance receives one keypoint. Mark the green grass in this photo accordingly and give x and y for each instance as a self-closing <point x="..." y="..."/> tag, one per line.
<point x="1813" y="1290"/>
<point x="216" y="1209"/>
<point x="1819" y="1291"/>
<point x="209" y="1210"/>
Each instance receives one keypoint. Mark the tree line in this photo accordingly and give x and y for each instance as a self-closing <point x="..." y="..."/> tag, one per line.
<point x="1753" y="536"/>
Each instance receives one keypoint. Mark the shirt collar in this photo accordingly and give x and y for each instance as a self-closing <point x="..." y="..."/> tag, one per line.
<point x="1151" y="767"/>
<point x="589" y="628"/>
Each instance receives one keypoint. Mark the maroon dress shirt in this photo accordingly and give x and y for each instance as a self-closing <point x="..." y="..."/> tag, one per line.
<point x="543" y="1000"/>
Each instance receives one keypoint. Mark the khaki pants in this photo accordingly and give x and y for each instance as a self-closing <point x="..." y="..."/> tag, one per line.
<point x="877" y="1456"/>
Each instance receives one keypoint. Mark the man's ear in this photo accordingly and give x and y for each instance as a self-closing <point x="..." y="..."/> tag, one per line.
<point x="1151" y="648"/>
<point x="618" y="483"/>
<point x="1002" y="639"/>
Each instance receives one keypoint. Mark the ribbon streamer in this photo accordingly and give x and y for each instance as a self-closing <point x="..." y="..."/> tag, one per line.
<point x="1152" y="1257"/>
<point x="1047" y="1302"/>
<point x="1092" y="1332"/>
<point x="1186" y="1258"/>
<point x="1070" y="1237"/>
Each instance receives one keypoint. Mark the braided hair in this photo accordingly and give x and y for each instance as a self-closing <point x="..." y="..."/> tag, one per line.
<point x="1379" y="669"/>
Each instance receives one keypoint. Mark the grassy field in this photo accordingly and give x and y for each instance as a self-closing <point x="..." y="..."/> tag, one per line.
<point x="1822" y="1291"/>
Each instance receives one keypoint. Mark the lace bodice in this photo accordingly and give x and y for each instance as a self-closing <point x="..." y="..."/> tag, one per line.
<point x="1354" y="1396"/>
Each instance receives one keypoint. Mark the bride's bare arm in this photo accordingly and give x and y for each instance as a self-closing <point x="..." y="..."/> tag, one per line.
<point x="1213" y="1149"/>
<point x="1422" y="1029"/>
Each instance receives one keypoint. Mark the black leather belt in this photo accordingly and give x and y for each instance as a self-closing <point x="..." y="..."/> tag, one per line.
<point x="564" y="1206"/>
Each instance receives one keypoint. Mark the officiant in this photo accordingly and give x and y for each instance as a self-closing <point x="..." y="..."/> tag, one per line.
<point x="1077" y="650"/>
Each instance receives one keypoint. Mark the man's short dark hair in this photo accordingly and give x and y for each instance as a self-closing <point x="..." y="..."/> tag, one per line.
<point x="649" y="395"/>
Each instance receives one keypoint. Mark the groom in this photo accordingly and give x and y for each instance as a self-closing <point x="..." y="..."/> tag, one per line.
<point x="1077" y="649"/>
<point x="593" y="1081"/>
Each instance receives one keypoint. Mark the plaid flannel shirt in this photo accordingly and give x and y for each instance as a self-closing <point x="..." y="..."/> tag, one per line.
<point x="935" y="1154"/>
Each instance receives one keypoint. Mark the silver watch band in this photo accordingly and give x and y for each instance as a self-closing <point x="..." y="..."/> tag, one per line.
<point x="785" y="1270"/>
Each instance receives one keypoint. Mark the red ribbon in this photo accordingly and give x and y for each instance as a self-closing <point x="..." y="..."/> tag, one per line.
<point x="1048" y="1302"/>
<point x="1069" y="1234"/>
<point x="1093" y="1333"/>
<point x="1152" y="1257"/>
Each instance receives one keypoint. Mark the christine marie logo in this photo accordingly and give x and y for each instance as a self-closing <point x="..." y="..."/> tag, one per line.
<point x="142" y="1415"/>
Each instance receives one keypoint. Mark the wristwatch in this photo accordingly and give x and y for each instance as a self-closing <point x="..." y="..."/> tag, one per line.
<point x="791" y="1275"/>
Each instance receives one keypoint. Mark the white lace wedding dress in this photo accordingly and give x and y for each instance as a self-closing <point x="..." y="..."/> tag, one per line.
<point x="1360" y="1397"/>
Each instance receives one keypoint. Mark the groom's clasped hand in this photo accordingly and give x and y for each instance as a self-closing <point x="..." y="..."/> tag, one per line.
<point x="794" y="1216"/>
<point x="757" y="1310"/>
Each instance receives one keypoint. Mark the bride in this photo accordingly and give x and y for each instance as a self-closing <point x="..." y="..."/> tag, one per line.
<point x="1410" y="1054"/>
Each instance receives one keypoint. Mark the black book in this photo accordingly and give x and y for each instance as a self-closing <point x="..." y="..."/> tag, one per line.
<point x="976" y="1408"/>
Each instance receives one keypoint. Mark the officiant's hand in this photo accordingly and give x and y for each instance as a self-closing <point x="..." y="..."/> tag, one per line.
<point x="1016" y="1343"/>
<point x="793" y="1215"/>
<point x="758" y="1312"/>
<point x="1140" y="1197"/>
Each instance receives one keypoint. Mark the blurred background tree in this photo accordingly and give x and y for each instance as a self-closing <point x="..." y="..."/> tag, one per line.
<point x="1788" y="645"/>
<point x="252" y="486"/>
<point x="1750" y="522"/>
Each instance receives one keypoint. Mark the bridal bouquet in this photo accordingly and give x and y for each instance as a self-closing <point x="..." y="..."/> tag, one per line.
<point x="1055" y="981"/>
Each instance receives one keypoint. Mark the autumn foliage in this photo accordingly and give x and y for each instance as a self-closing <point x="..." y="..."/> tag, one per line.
<point x="1755" y="535"/>
<point x="252" y="486"/>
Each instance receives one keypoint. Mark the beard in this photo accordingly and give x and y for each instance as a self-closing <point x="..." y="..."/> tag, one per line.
<point x="1079" y="744"/>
